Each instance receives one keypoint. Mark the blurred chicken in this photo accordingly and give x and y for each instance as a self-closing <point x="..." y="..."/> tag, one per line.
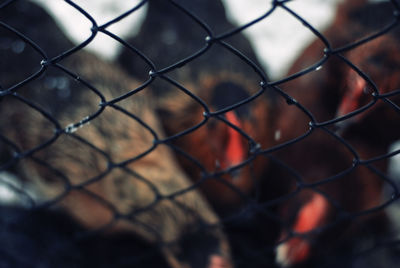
<point x="169" y="35"/>
<point x="377" y="127"/>
<point x="322" y="156"/>
<point x="326" y="193"/>
<point x="88" y="154"/>
<point x="317" y="90"/>
<point x="31" y="20"/>
<point x="216" y="147"/>
<point x="320" y="91"/>
<point x="221" y="79"/>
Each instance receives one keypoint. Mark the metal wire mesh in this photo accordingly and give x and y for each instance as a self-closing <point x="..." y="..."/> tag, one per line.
<point x="183" y="149"/>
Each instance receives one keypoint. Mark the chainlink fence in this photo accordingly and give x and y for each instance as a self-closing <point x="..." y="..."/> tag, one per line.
<point x="183" y="149"/>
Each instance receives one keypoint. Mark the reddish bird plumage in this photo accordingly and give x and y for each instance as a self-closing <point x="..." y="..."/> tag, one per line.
<point x="216" y="145"/>
<point x="221" y="79"/>
<point x="331" y="91"/>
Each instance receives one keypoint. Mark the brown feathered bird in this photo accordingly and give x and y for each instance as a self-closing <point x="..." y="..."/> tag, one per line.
<point x="377" y="126"/>
<point x="215" y="154"/>
<point x="331" y="171"/>
<point x="326" y="193"/>
<point x="225" y="146"/>
<point x="174" y="31"/>
<point x="92" y="151"/>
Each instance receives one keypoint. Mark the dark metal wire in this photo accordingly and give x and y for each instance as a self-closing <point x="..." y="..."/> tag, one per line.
<point x="261" y="205"/>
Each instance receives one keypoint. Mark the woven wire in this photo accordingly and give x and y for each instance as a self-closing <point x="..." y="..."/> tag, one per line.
<point x="315" y="139"/>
